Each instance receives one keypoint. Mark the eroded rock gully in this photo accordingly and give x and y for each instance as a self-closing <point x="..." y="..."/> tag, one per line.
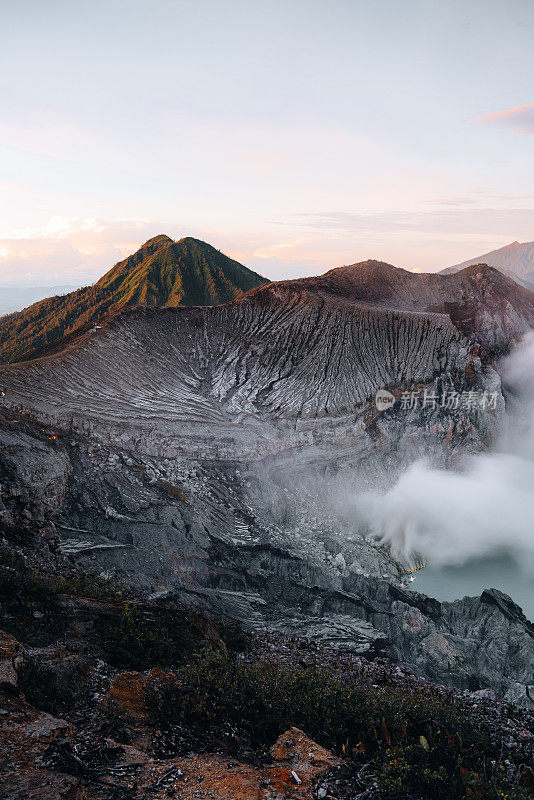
<point x="195" y="452"/>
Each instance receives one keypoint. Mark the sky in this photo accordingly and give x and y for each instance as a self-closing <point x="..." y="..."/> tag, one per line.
<point x="294" y="135"/>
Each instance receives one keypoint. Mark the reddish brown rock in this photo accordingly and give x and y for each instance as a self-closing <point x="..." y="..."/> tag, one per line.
<point x="131" y="693"/>
<point x="297" y="764"/>
<point x="127" y="696"/>
<point x="296" y="758"/>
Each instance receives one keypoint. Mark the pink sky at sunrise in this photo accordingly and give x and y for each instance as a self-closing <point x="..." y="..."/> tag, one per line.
<point x="310" y="135"/>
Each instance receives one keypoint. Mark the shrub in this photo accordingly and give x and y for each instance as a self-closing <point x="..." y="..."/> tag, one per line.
<point x="139" y="640"/>
<point x="83" y="585"/>
<point x="42" y="688"/>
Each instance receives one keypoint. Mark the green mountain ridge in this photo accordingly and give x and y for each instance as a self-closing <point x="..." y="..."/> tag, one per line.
<point x="162" y="272"/>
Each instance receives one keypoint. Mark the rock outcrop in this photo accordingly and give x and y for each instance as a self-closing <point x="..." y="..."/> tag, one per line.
<point x="202" y="453"/>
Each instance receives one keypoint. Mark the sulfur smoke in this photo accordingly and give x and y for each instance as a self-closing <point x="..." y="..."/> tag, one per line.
<point x="486" y="509"/>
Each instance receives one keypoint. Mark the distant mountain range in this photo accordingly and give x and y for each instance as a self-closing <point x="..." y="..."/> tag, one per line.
<point x="161" y="273"/>
<point x="515" y="260"/>
<point x="13" y="298"/>
<point x="189" y="272"/>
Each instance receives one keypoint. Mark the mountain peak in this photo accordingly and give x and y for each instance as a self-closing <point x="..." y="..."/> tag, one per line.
<point x="370" y="264"/>
<point x="161" y="272"/>
<point x="147" y="249"/>
<point x="158" y="241"/>
<point x="515" y="259"/>
<point x="193" y="240"/>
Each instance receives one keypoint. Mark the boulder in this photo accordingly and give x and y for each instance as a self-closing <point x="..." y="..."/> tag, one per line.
<point x="297" y="763"/>
<point x="25" y="736"/>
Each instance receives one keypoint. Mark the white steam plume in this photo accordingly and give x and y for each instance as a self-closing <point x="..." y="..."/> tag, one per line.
<point x="448" y="518"/>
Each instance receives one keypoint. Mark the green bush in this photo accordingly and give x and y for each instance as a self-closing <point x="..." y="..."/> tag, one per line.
<point x="83" y="585"/>
<point x="18" y="581"/>
<point x="139" y="638"/>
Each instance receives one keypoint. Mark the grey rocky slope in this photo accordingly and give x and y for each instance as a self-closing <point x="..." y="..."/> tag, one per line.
<point x="204" y="452"/>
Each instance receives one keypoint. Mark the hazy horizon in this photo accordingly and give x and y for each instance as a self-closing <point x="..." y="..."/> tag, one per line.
<point x="41" y="287"/>
<point x="35" y="284"/>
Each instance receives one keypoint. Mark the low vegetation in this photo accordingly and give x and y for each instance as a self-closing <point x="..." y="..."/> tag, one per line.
<point x="42" y="687"/>
<point x="137" y="639"/>
<point x="20" y="583"/>
<point x="414" y="739"/>
<point x="417" y="739"/>
<point x="408" y="737"/>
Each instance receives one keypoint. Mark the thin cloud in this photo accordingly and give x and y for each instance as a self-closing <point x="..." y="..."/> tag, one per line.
<point x="289" y="251"/>
<point x="480" y="199"/>
<point x="68" y="250"/>
<point x="458" y="221"/>
<point x="519" y="119"/>
<point x="453" y="201"/>
<point x="78" y="250"/>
